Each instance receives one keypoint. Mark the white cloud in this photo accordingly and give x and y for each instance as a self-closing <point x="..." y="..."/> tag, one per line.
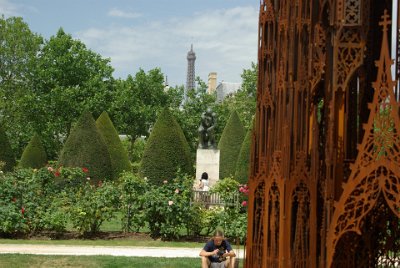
<point x="115" y="12"/>
<point x="8" y="9"/>
<point x="224" y="41"/>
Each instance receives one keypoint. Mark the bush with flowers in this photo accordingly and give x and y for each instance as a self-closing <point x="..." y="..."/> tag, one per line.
<point x="168" y="210"/>
<point x="233" y="217"/>
<point x="89" y="205"/>
<point x="132" y="199"/>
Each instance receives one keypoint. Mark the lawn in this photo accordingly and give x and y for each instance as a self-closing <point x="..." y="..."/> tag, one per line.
<point x="32" y="261"/>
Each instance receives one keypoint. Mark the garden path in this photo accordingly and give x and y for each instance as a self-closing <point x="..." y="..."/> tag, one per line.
<point x="100" y="250"/>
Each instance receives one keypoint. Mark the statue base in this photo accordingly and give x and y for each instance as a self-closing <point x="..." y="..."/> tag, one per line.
<point x="207" y="160"/>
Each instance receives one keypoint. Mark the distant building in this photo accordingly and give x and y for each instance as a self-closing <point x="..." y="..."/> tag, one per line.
<point x="191" y="58"/>
<point x="225" y="89"/>
<point x="212" y="82"/>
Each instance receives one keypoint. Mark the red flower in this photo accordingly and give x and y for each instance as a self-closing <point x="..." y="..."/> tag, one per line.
<point x="85" y="170"/>
<point x="57" y="173"/>
<point x="22" y="210"/>
<point x="244" y="203"/>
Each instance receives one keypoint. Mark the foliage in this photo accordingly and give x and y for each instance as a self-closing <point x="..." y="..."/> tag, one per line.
<point x="137" y="102"/>
<point x="229" y="145"/>
<point x="28" y="202"/>
<point x="34" y="155"/>
<point x="6" y="152"/>
<point x="85" y="147"/>
<point x="137" y="153"/>
<point x="188" y="114"/>
<point x="65" y="80"/>
<point x="132" y="190"/>
<point x="90" y="205"/>
<point x="244" y="100"/>
<point x="233" y="219"/>
<point x="243" y="162"/>
<point x="168" y="209"/>
<point x="118" y="154"/>
<point x="166" y="151"/>
<point x="18" y="50"/>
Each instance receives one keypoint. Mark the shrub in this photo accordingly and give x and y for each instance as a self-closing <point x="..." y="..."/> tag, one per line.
<point x="243" y="161"/>
<point x="229" y="145"/>
<point x="168" y="209"/>
<point x="34" y="155"/>
<point x="132" y="192"/>
<point x="6" y="153"/>
<point x="85" y="147"/>
<point x="166" y="151"/>
<point x="118" y="154"/>
<point x="90" y="205"/>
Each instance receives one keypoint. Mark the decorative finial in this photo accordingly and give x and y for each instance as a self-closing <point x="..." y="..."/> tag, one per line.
<point x="385" y="20"/>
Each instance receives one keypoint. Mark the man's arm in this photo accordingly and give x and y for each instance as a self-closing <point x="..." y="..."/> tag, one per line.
<point x="204" y="253"/>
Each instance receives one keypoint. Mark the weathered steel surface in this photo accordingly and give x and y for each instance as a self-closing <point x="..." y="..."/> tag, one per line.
<point x="325" y="163"/>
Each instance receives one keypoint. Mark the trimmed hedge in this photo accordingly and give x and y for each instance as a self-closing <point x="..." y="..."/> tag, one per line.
<point x="86" y="148"/>
<point x="243" y="161"/>
<point x="229" y="145"/>
<point x="118" y="154"/>
<point x="166" y="151"/>
<point x="6" y="153"/>
<point x="34" y="155"/>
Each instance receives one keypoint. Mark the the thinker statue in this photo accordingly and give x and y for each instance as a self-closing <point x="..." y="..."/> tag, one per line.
<point x="206" y="130"/>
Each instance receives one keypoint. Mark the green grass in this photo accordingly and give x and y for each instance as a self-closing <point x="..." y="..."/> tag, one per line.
<point x="32" y="261"/>
<point x="116" y="242"/>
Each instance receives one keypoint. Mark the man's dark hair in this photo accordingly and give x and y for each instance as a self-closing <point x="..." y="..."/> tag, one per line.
<point x="204" y="176"/>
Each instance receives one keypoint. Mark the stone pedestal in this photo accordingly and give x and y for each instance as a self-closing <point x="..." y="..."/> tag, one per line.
<point x="207" y="160"/>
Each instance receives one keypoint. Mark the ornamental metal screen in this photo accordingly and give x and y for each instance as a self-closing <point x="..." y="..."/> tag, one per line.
<point x="325" y="158"/>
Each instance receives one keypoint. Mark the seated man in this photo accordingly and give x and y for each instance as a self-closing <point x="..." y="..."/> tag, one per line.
<point x="215" y="252"/>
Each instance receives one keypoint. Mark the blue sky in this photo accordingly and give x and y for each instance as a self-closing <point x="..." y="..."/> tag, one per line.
<point x="153" y="33"/>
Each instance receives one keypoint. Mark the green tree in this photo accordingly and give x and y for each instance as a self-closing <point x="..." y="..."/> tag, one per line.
<point x="86" y="148"/>
<point x="118" y="154"/>
<point x="243" y="160"/>
<point x="229" y="145"/>
<point x="188" y="114"/>
<point x="18" y="49"/>
<point x="34" y="155"/>
<point x="244" y="100"/>
<point x="6" y="152"/>
<point x="166" y="151"/>
<point x="138" y="99"/>
<point x="68" y="80"/>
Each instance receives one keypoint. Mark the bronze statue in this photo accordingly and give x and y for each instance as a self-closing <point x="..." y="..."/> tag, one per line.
<point x="206" y="130"/>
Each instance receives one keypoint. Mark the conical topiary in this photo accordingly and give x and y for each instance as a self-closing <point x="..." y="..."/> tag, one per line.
<point x="243" y="161"/>
<point x="118" y="154"/>
<point x="229" y="145"/>
<point x="166" y="151"/>
<point x="6" y="152"/>
<point x="86" y="148"/>
<point x="34" y="155"/>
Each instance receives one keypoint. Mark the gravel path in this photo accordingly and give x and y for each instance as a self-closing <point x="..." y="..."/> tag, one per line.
<point x="99" y="250"/>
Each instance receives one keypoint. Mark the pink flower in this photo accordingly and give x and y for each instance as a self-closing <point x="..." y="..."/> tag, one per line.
<point x="177" y="191"/>
<point x="85" y="170"/>
<point x="165" y="182"/>
<point x="100" y="183"/>
<point x="244" y="203"/>
<point x="170" y="202"/>
<point x="14" y="199"/>
<point x="50" y="169"/>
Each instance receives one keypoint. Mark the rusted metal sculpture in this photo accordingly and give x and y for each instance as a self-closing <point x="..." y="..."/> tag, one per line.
<point x="325" y="166"/>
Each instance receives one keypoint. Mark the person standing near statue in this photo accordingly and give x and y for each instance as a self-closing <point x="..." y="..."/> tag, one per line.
<point x="207" y="130"/>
